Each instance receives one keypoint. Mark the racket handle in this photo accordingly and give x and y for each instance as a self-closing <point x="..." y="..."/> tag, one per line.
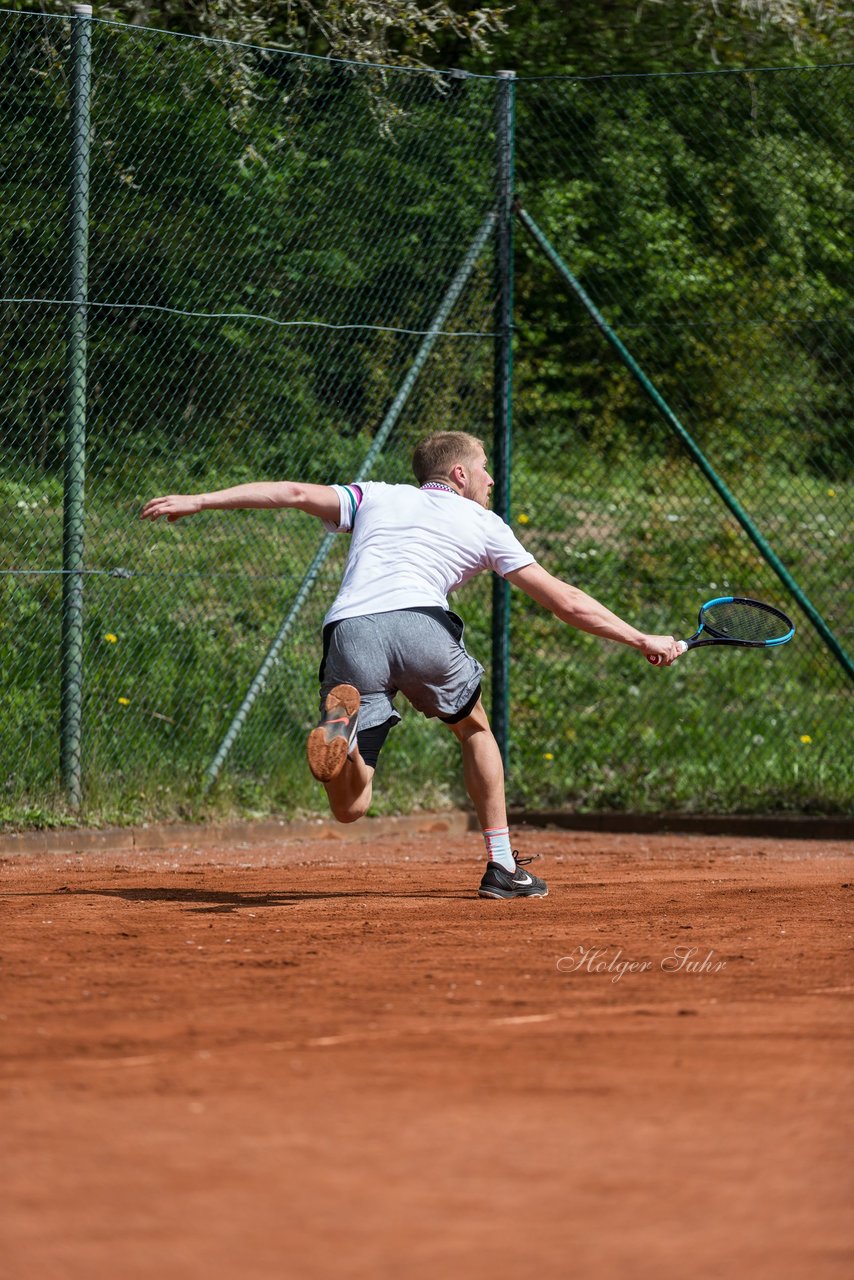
<point x="682" y="645"/>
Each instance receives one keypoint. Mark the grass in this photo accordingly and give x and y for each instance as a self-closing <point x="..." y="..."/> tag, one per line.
<point x="170" y="651"/>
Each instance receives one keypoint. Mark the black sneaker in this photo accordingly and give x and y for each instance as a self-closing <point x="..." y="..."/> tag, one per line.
<point x="500" y="883"/>
<point x="334" y="738"/>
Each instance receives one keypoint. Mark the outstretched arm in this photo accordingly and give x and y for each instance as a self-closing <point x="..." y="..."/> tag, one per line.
<point x="319" y="500"/>
<point x="580" y="610"/>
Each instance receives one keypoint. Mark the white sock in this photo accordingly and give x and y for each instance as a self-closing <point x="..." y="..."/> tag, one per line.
<point x="497" y="840"/>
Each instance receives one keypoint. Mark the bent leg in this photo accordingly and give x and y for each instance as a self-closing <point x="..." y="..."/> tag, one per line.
<point x="349" y="793"/>
<point x="483" y="768"/>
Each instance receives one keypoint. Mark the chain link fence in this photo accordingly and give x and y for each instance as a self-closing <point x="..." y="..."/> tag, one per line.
<point x="286" y="269"/>
<point x="708" y="218"/>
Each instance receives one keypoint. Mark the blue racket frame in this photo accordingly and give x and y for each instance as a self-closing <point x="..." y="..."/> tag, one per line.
<point x="714" y="637"/>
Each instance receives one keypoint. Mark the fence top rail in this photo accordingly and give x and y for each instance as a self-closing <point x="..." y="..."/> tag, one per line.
<point x="448" y="72"/>
<point x="685" y="75"/>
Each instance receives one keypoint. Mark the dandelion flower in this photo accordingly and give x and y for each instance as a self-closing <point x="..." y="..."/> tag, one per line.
<point x="110" y="638"/>
<point x="805" y="738"/>
<point x="125" y="702"/>
<point x="831" y="493"/>
<point x="547" y="755"/>
<point x="522" y="518"/>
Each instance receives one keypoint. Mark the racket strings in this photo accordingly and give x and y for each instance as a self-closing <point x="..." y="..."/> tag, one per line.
<point x="740" y="620"/>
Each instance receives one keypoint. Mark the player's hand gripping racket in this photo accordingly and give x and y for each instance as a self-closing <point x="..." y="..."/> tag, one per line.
<point x="735" y="620"/>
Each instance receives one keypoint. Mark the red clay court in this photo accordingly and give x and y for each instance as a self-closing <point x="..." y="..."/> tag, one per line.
<point x="321" y="1059"/>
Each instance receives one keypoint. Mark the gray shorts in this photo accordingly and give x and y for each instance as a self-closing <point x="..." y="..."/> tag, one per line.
<point x="417" y="652"/>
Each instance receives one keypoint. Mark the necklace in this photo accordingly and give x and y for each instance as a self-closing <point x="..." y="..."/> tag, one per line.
<point x="435" y="484"/>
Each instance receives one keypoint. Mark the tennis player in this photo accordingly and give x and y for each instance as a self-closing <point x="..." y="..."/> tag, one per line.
<point x="390" y="630"/>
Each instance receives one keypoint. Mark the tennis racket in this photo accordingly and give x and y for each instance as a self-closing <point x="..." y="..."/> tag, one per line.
<point x="735" y="620"/>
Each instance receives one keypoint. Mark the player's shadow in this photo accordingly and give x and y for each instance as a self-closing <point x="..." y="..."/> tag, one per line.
<point x="220" y="902"/>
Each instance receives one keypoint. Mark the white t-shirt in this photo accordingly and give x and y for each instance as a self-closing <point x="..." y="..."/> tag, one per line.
<point x="412" y="547"/>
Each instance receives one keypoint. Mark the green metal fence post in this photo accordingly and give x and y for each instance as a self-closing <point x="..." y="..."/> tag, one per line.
<point x="503" y="395"/>
<point x="75" y="427"/>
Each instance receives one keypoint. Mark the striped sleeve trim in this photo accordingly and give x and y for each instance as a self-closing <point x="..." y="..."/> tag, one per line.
<point x="349" y="500"/>
<point x="354" y="493"/>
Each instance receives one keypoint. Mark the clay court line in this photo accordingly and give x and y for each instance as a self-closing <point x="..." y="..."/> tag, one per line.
<point x="401" y="1033"/>
<point x="523" y="1017"/>
<point x="315" y="1042"/>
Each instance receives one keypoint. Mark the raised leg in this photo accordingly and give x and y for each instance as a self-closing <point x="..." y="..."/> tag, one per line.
<point x="349" y="792"/>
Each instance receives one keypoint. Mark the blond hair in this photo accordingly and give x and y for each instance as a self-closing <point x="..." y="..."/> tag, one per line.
<point x="436" y="457"/>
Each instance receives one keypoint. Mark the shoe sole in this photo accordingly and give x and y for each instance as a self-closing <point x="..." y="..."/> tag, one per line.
<point x="504" y="895"/>
<point x="327" y="756"/>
